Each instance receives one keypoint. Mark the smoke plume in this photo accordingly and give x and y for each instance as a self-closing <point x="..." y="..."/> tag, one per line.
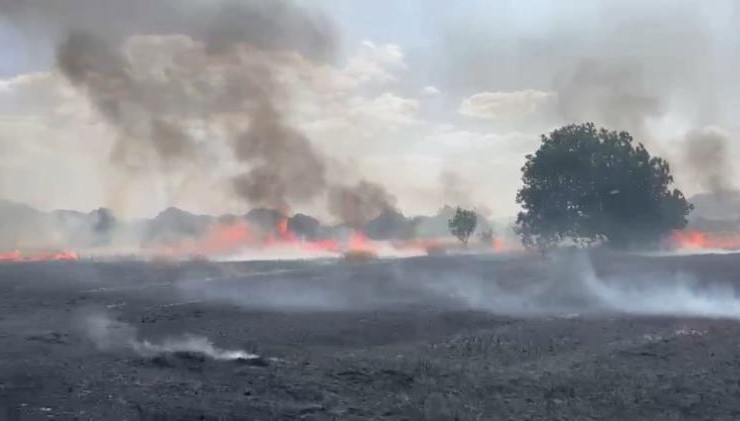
<point x="708" y="157"/>
<point x="612" y="93"/>
<point x="457" y="191"/>
<point x="356" y="205"/>
<point x="454" y="189"/>
<point x="186" y="87"/>
<point x="284" y="167"/>
<point x="210" y="80"/>
<point x="137" y="109"/>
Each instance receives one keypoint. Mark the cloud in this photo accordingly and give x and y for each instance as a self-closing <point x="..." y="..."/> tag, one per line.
<point x="375" y="64"/>
<point x="503" y="105"/>
<point x="430" y="91"/>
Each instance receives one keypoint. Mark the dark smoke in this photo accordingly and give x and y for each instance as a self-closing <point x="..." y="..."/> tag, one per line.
<point x="356" y="205"/>
<point x="223" y="68"/>
<point x="457" y="191"/>
<point x="270" y="25"/>
<point x="613" y="93"/>
<point x="708" y="158"/>
<point x="283" y="164"/>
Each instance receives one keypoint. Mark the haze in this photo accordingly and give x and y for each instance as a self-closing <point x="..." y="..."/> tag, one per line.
<point x="436" y="104"/>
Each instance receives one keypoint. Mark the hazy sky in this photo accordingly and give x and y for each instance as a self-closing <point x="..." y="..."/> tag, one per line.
<point x="438" y="101"/>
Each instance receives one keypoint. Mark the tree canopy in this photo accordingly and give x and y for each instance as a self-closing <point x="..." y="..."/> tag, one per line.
<point x="462" y="224"/>
<point x="588" y="185"/>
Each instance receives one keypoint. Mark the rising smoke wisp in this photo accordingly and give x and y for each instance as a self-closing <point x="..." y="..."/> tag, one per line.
<point x="109" y="334"/>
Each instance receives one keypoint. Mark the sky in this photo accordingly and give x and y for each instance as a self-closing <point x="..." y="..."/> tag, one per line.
<point x="437" y="103"/>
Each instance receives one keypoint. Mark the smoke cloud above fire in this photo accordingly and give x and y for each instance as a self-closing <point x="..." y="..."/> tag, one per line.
<point x="218" y="106"/>
<point x="708" y="155"/>
<point x="218" y="86"/>
<point x="154" y="110"/>
<point x="358" y="204"/>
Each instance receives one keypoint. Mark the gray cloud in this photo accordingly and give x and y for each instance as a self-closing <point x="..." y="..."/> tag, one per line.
<point x="503" y="105"/>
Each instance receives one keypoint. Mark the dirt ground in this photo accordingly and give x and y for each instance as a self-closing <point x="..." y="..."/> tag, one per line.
<point x="605" y="336"/>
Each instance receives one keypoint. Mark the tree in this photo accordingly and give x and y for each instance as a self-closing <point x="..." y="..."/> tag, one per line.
<point x="589" y="185"/>
<point x="462" y="225"/>
<point x="486" y="236"/>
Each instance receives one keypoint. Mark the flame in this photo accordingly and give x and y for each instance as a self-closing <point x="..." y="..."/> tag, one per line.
<point x="700" y="240"/>
<point x="439" y="245"/>
<point x="220" y="239"/>
<point x="17" y="256"/>
<point x="329" y="245"/>
<point x="239" y="239"/>
<point x="11" y="256"/>
<point x="359" y="242"/>
<point x="66" y="256"/>
<point x="284" y="233"/>
<point x="498" y="245"/>
<point x="223" y="240"/>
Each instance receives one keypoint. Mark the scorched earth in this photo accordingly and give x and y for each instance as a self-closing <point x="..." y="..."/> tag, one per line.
<point x="469" y="337"/>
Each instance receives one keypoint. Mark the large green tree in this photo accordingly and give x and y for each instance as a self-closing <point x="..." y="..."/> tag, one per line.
<point x="585" y="184"/>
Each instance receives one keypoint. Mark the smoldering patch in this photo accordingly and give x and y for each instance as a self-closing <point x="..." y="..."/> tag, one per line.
<point x="111" y="335"/>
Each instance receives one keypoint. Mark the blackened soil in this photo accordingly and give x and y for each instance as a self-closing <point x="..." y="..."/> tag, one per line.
<point x="366" y="341"/>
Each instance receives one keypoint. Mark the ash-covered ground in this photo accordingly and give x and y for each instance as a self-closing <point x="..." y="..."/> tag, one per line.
<point x="599" y="336"/>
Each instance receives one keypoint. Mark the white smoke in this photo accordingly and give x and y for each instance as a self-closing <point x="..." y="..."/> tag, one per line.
<point x="680" y="296"/>
<point x="574" y="287"/>
<point x="565" y="285"/>
<point x="112" y="335"/>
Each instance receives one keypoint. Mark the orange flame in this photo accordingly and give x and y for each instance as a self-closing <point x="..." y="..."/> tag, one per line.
<point x="229" y="239"/>
<point x="17" y="256"/>
<point x="498" y="245"/>
<point x="284" y="233"/>
<point x="11" y="256"/>
<point x="699" y="240"/>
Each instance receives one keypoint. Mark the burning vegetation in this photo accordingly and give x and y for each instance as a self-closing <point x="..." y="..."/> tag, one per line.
<point x="18" y="256"/>
<point x="175" y="234"/>
<point x="186" y="87"/>
<point x="690" y="240"/>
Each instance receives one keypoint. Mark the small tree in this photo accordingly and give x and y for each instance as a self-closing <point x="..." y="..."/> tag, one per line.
<point x="463" y="224"/>
<point x="486" y="236"/>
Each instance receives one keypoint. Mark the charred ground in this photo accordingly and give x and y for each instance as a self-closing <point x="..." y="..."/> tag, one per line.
<point x="420" y="338"/>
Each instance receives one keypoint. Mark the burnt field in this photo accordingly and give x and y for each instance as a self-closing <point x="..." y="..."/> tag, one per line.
<point x="430" y="338"/>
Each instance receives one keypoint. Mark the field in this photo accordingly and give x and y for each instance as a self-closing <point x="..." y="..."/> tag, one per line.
<point x="573" y="337"/>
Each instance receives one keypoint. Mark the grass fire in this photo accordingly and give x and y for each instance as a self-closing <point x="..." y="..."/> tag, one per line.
<point x="369" y="210"/>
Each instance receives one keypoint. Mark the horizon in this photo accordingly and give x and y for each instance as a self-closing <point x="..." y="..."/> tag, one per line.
<point x="242" y="213"/>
